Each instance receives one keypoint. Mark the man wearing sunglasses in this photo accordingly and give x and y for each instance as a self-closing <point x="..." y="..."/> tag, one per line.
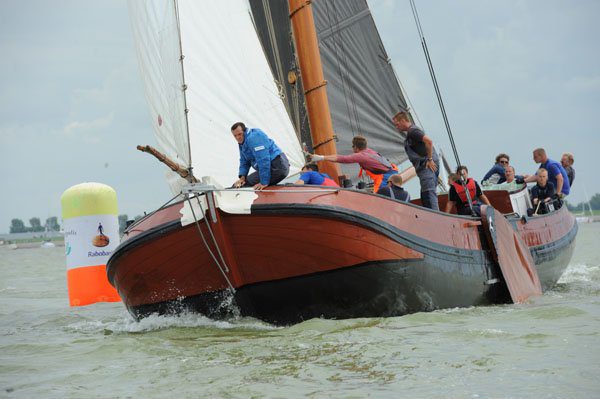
<point x="497" y="174"/>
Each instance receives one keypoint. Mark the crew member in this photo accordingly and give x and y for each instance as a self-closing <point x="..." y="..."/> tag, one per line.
<point x="458" y="194"/>
<point x="259" y="151"/>
<point x="368" y="159"/>
<point x="420" y="151"/>
<point x="557" y="175"/>
<point x="394" y="189"/>
<point x="311" y="175"/>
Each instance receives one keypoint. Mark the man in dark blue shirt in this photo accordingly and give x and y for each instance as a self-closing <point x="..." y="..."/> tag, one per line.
<point x="542" y="194"/>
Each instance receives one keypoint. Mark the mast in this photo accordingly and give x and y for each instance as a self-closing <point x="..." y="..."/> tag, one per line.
<point x="315" y="93"/>
<point x="190" y="177"/>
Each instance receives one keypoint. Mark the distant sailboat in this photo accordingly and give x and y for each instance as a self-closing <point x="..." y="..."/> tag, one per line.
<point x="290" y="253"/>
<point x="587" y="215"/>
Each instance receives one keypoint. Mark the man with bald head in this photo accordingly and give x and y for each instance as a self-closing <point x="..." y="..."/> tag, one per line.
<point x="557" y="175"/>
<point x="394" y="189"/>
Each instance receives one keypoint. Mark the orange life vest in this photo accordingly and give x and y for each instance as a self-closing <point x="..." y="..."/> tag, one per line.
<point x="377" y="178"/>
<point x="460" y="190"/>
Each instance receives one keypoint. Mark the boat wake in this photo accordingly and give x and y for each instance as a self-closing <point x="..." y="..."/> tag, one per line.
<point x="156" y="322"/>
<point x="580" y="278"/>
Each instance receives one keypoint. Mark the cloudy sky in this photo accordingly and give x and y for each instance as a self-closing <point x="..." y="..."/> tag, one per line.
<point x="514" y="75"/>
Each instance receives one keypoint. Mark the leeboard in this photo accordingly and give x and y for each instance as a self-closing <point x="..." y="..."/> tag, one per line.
<point x="512" y="255"/>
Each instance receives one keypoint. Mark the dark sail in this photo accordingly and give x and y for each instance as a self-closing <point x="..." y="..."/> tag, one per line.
<point x="362" y="88"/>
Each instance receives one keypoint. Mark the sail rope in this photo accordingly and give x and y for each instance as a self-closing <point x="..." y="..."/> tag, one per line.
<point x="275" y="48"/>
<point x="434" y="80"/>
<point x="197" y="223"/>
<point x="439" y="98"/>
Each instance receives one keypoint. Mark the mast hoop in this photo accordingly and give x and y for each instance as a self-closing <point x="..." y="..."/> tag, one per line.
<point x="306" y="3"/>
<point x="322" y="84"/>
<point x="332" y="138"/>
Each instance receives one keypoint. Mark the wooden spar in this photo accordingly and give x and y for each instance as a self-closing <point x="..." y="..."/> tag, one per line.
<point x="408" y="174"/>
<point x="174" y="166"/>
<point x="315" y="93"/>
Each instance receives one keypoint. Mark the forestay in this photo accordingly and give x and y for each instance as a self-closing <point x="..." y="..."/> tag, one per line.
<point x="227" y="79"/>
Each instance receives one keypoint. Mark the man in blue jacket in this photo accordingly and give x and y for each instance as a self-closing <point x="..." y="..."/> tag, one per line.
<point x="260" y="152"/>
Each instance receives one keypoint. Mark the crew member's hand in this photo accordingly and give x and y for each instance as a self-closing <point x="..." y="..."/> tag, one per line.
<point x="431" y="165"/>
<point x="535" y="201"/>
<point x="259" y="186"/>
<point x="239" y="182"/>
<point x="316" y="158"/>
<point x="561" y="195"/>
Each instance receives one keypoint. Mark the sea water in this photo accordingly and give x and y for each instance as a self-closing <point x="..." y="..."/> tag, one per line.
<point x="548" y="348"/>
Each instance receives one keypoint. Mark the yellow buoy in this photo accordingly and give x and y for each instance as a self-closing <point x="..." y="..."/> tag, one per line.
<point x="91" y="225"/>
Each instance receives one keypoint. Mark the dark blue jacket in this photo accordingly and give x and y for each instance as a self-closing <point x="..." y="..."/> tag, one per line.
<point x="257" y="150"/>
<point x="496" y="169"/>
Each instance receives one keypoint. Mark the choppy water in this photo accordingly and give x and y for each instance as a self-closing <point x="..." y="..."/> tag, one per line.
<point x="546" y="349"/>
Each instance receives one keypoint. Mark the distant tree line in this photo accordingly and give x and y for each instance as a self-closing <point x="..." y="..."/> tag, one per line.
<point x="35" y="225"/>
<point x="580" y="207"/>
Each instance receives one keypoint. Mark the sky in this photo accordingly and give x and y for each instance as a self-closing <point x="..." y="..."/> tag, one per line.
<point x="514" y="75"/>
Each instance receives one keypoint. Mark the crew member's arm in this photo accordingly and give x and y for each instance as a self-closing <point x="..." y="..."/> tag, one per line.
<point x="484" y="199"/>
<point x="481" y="195"/>
<point x="530" y="178"/>
<point x="429" y="148"/>
<point x="452" y="195"/>
<point x="316" y="157"/>
<point x="559" y="183"/>
<point x="243" y="171"/>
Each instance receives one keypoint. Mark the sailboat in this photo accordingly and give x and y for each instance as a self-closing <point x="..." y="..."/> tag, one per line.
<point x="301" y="71"/>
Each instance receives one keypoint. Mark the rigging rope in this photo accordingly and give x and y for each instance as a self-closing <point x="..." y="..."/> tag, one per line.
<point x="434" y="80"/>
<point x="197" y="223"/>
<point x="439" y="98"/>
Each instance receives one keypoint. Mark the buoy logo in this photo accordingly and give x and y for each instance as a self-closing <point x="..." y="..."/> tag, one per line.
<point x="100" y="240"/>
<point x="68" y="249"/>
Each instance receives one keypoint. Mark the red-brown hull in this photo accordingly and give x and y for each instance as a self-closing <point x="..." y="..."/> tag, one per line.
<point x="299" y="254"/>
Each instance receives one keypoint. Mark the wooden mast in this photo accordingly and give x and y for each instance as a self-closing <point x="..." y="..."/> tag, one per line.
<point x="315" y="93"/>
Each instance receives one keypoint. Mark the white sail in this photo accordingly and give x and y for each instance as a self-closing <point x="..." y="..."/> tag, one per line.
<point x="227" y="78"/>
<point x="156" y="38"/>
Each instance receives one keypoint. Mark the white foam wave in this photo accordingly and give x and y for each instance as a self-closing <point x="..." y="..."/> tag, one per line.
<point x="157" y="322"/>
<point x="580" y="273"/>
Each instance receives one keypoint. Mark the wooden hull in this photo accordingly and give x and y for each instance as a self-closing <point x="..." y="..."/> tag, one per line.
<point x="336" y="254"/>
